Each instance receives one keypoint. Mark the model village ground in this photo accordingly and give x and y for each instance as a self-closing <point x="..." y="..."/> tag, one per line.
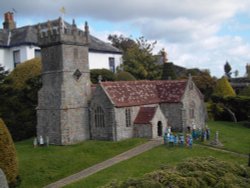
<point x="123" y="133"/>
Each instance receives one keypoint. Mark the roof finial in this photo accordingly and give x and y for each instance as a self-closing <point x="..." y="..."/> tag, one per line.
<point x="99" y="78"/>
<point x="86" y="27"/>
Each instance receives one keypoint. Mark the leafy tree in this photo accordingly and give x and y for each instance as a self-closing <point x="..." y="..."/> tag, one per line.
<point x="8" y="157"/>
<point x="205" y="83"/>
<point x="124" y="76"/>
<point x="137" y="56"/>
<point x="168" y="71"/>
<point x="106" y="75"/>
<point x="18" y="95"/>
<point x="223" y="88"/>
<point x="227" y="69"/>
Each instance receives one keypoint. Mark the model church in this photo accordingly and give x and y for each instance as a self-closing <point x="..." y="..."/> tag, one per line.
<point x="71" y="109"/>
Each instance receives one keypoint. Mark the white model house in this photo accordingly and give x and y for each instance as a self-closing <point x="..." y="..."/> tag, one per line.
<point x="20" y="44"/>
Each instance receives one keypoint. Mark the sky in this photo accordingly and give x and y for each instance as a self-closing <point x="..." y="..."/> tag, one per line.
<point x="195" y="33"/>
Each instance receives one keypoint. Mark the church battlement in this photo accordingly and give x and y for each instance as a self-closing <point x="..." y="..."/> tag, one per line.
<point x="58" y="33"/>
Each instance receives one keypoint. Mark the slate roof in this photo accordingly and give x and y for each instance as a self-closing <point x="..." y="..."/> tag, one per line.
<point x="135" y="93"/>
<point x="28" y="35"/>
<point x="145" y="115"/>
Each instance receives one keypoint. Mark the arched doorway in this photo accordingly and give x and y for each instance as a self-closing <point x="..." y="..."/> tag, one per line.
<point x="159" y="128"/>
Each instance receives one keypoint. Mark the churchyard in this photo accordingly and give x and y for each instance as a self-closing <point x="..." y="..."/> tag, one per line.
<point x="43" y="165"/>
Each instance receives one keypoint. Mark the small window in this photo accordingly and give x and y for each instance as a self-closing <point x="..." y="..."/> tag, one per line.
<point x="99" y="117"/>
<point x="37" y="53"/>
<point x="128" y="117"/>
<point x="112" y="64"/>
<point x="191" y="110"/>
<point x="16" y="57"/>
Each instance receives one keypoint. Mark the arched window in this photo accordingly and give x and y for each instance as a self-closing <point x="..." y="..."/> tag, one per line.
<point x="99" y="117"/>
<point x="128" y="117"/>
<point x="191" y="110"/>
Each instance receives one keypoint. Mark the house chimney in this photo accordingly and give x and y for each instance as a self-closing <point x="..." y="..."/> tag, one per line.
<point x="9" y="22"/>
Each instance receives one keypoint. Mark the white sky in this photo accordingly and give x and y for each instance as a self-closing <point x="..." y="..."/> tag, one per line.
<point x="195" y="33"/>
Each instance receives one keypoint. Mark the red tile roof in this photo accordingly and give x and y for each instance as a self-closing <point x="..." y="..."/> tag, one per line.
<point x="134" y="93"/>
<point x="145" y="115"/>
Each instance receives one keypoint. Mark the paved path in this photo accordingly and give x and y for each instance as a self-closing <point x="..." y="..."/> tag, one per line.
<point x="100" y="166"/>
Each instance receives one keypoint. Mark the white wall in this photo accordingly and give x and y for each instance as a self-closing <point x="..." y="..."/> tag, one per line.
<point x="5" y="59"/>
<point x="101" y="60"/>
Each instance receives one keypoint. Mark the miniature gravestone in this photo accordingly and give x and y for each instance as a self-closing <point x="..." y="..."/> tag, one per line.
<point x="216" y="141"/>
<point x="3" y="181"/>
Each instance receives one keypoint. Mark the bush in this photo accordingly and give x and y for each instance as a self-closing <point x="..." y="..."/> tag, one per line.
<point x="106" y="74"/>
<point x="223" y="88"/>
<point x="124" y="76"/>
<point x="8" y="158"/>
<point x="195" y="172"/>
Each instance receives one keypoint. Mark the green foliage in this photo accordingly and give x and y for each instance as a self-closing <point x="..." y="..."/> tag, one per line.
<point x="138" y="57"/>
<point x="227" y="69"/>
<point x="3" y="73"/>
<point x="8" y="158"/>
<point x="245" y="92"/>
<point x="18" y="95"/>
<point x="205" y="83"/>
<point x="23" y="72"/>
<point x="195" y="172"/>
<point x="124" y="76"/>
<point x="43" y="165"/>
<point x="240" y="105"/>
<point x="223" y="88"/>
<point x="168" y="71"/>
<point x="105" y="74"/>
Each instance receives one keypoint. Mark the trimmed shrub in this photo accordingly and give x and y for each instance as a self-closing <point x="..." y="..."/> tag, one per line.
<point x="223" y="88"/>
<point x="124" y="76"/>
<point x="106" y="74"/>
<point x="8" y="158"/>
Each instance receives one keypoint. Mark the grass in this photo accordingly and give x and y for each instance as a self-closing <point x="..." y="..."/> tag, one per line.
<point x="234" y="136"/>
<point x="43" y="165"/>
<point x="150" y="161"/>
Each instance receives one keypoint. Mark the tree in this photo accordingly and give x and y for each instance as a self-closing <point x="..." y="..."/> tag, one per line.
<point x="205" y="83"/>
<point x="223" y="88"/>
<point x="227" y="69"/>
<point x="18" y="96"/>
<point x="168" y="71"/>
<point x="137" y="56"/>
<point x="8" y="157"/>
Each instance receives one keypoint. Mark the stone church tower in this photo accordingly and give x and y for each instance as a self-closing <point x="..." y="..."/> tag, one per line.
<point x="62" y="112"/>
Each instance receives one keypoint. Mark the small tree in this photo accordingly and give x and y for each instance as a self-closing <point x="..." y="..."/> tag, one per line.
<point x="223" y="88"/>
<point x="168" y="71"/>
<point x="227" y="69"/>
<point x="8" y="158"/>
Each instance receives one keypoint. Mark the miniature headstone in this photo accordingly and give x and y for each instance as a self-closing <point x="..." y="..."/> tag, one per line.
<point x="216" y="141"/>
<point x="3" y="181"/>
<point x="35" y="142"/>
<point x="41" y="142"/>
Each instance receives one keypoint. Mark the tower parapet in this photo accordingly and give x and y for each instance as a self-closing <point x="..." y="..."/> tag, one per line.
<point x="60" y="34"/>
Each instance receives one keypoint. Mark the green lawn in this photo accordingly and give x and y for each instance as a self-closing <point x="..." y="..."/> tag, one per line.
<point x="234" y="136"/>
<point x="44" y="165"/>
